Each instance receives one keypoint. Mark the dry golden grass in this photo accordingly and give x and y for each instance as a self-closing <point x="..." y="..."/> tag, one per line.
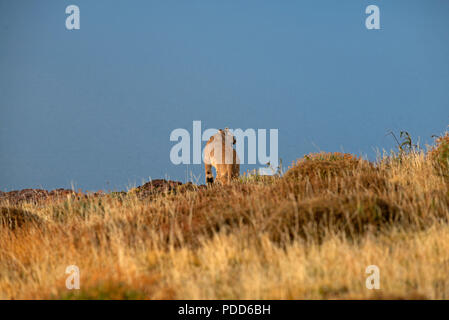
<point x="307" y="235"/>
<point x="439" y="154"/>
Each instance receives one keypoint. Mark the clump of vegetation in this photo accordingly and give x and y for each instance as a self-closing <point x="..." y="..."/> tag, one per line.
<point x="440" y="153"/>
<point x="326" y="165"/>
<point x="14" y="218"/>
<point x="406" y="144"/>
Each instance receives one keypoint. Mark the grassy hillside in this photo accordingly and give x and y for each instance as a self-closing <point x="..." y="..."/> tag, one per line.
<point x="309" y="234"/>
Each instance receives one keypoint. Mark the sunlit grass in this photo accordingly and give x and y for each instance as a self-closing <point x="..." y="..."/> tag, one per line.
<point x="308" y="234"/>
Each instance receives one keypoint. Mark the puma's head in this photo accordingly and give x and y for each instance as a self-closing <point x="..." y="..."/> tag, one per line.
<point x="228" y="134"/>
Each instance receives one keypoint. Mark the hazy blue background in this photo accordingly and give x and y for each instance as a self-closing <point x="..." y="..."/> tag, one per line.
<point x="95" y="107"/>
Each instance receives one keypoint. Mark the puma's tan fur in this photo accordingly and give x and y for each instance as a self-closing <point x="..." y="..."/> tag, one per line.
<point x="220" y="154"/>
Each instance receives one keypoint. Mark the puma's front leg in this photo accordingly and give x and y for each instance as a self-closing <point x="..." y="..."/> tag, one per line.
<point x="209" y="175"/>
